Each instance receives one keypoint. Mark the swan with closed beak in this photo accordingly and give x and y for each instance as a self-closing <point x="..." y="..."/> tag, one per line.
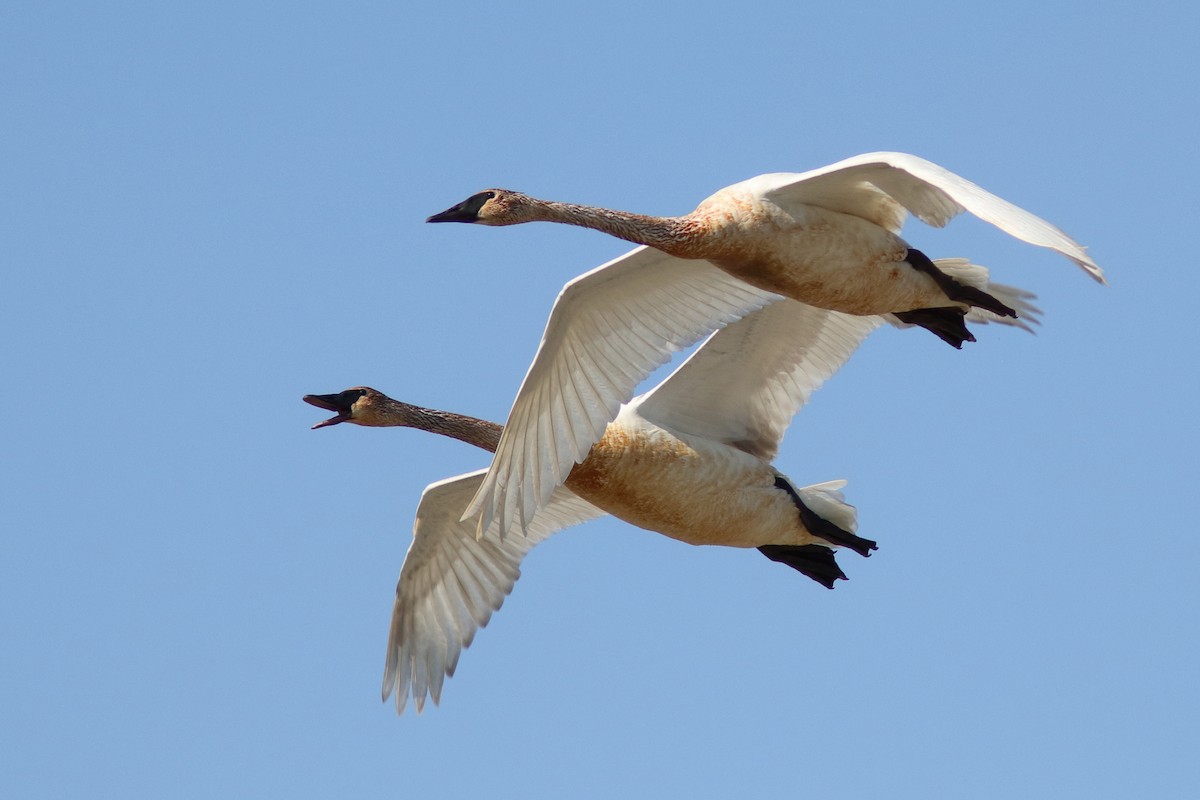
<point x="828" y="237"/>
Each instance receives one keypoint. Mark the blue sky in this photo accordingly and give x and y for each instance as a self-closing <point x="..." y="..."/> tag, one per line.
<point x="210" y="211"/>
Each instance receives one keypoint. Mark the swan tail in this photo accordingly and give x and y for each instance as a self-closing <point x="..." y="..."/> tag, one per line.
<point x="1028" y="314"/>
<point x="955" y="288"/>
<point x="1020" y="300"/>
<point x="826" y="515"/>
<point x="949" y="323"/>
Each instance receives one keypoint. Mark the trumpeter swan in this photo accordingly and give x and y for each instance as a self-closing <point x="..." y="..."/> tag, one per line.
<point x="828" y="237"/>
<point x="690" y="459"/>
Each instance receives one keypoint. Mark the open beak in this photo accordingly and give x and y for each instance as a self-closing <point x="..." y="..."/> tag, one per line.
<point x="329" y="402"/>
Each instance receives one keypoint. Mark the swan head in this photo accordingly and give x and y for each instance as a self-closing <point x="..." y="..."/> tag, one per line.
<point x="491" y="207"/>
<point x="359" y="405"/>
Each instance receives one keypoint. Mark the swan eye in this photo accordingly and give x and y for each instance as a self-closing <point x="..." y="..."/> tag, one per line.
<point x="476" y="201"/>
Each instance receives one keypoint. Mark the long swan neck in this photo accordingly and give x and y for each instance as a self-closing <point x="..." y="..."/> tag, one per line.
<point x="661" y="232"/>
<point x="471" y="430"/>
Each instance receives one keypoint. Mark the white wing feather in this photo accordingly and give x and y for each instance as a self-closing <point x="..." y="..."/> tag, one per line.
<point x="746" y="382"/>
<point x="608" y="330"/>
<point x="744" y="385"/>
<point x="931" y="193"/>
<point x="451" y="583"/>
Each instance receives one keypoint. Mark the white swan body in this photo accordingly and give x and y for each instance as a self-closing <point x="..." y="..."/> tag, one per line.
<point x="690" y="488"/>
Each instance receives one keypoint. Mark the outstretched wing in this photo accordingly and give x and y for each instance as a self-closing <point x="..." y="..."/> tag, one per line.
<point x="744" y="385"/>
<point x="451" y="583"/>
<point x="880" y="186"/>
<point x="608" y="330"/>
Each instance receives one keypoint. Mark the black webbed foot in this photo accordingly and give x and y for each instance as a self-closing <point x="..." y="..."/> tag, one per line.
<point x="945" y="322"/>
<point x="814" y="560"/>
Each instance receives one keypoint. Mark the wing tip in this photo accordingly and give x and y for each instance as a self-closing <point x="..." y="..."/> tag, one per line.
<point x="1085" y="263"/>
